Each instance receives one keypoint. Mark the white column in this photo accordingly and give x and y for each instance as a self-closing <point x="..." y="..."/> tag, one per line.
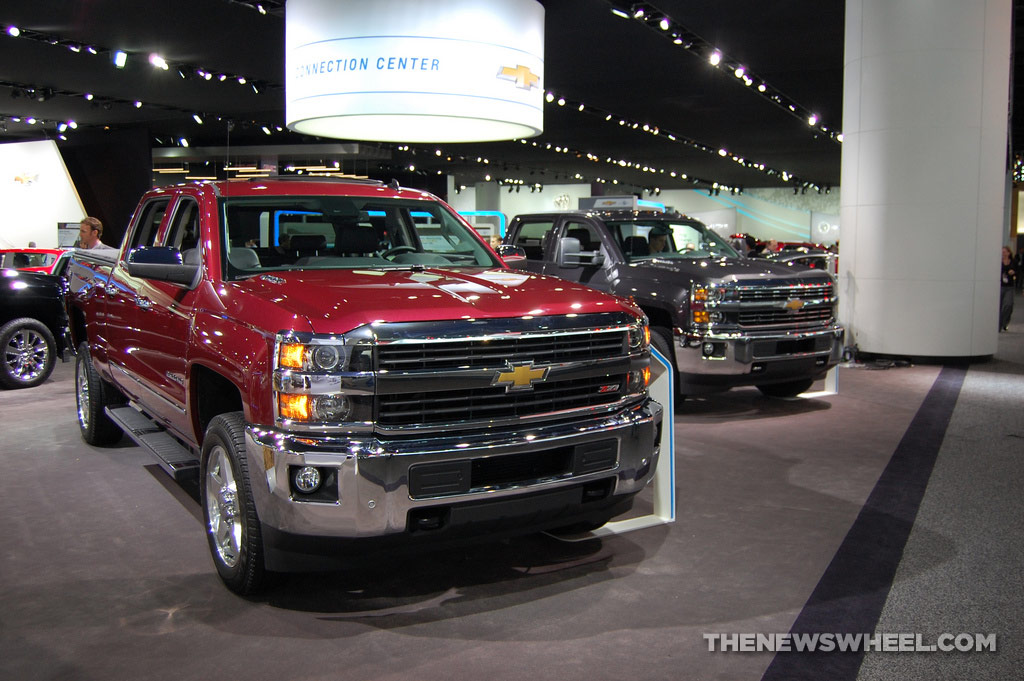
<point x="926" y="87"/>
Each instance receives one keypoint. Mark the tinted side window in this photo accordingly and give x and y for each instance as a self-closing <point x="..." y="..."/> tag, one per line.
<point x="531" y="237"/>
<point x="184" y="230"/>
<point x="150" y="217"/>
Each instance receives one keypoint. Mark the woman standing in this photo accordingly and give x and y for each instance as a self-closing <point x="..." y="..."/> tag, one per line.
<point x="1006" y="288"/>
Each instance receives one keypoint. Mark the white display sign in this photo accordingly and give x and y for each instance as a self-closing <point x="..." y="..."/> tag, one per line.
<point x="414" y="71"/>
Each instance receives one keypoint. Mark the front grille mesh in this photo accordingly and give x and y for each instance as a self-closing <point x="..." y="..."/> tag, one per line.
<point x="808" y="315"/>
<point x="763" y="294"/>
<point x="482" y="353"/>
<point x="759" y="305"/>
<point x="448" y="406"/>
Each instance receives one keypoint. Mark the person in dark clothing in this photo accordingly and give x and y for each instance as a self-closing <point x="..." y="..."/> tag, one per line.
<point x="1007" y="284"/>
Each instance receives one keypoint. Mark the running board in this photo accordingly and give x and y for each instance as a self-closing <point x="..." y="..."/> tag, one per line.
<point x="176" y="460"/>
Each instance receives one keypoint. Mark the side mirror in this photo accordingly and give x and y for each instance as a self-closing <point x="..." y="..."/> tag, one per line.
<point x="570" y="255"/>
<point x="162" y="263"/>
<point x="514" y="256"/>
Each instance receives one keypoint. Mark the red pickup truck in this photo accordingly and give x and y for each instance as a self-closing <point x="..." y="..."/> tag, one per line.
<point x="348" y="367"/>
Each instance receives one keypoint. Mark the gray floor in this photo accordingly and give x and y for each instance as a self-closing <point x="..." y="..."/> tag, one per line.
<point x="104" y="571"/>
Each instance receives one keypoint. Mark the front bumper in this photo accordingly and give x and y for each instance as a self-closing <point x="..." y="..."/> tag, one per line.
<point x="751" y="358"/>
<point x="401" y="487"/>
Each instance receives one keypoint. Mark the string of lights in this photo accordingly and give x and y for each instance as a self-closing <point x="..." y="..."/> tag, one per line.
<point x="187" y="71"/>
<point x="667" y="28"/>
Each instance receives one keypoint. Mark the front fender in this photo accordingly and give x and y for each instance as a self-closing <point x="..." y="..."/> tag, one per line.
<point x="241" y="354"/>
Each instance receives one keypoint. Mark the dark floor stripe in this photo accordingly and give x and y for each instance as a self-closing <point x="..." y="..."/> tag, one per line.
<point x="852" y="592"/>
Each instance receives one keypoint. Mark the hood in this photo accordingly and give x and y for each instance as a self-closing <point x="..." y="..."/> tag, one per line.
<point x="740" y="270"/>
<point x="337" y="301"/>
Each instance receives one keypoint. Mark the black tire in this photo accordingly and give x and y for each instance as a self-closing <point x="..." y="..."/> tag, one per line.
<point x="29" y="353"/>
<point x="787" y="389"/>
<point x="232" y="524"/>
<point x="92" y="396"/>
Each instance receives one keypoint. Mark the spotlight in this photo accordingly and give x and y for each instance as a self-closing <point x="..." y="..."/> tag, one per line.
<point x="120" y="59"/>
<point x="812" y="120"/>
<point x="158" y="62"/>
<point x="664" y="23"/>
<point x="716" y="58"/>
<point x="638" y="13"/>
<point x="197" y="118"/>
<point x="13" y="31"/>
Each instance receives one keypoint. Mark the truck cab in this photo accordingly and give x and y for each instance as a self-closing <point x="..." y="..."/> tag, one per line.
<point x="724" y="320"/>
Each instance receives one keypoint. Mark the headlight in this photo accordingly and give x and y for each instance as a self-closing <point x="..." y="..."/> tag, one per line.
<point x="312" y="356"/>
<point x="323" y="380"/>
<point x="639" y="337"/>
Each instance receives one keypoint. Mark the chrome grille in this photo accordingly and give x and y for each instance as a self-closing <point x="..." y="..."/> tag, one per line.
<point x="493" y="352"/>
<point x="808" y="315"/>
<point x="448" y="406"/>
<point x="763" y="294"/>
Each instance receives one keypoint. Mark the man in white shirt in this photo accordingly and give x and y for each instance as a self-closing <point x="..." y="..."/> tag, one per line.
<point x="90" y="230"/>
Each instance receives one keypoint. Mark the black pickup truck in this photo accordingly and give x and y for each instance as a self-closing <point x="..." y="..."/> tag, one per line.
<point x="724" y="320"/>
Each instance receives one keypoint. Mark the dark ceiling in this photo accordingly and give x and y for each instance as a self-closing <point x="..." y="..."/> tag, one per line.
<point x="626" y="69"/>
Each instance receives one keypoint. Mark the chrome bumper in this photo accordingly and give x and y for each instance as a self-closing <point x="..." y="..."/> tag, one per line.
<point x="373" y="475"/>
<point x="738" y="353"/>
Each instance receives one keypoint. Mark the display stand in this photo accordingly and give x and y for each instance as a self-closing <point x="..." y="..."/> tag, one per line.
<point x="664" y="481"/>
<point x="831" y="385"/>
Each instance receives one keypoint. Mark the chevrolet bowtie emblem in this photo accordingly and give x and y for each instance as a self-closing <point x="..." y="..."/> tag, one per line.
<point x="520" y="377"/>
<point x="524" y="78"/>
<point x="794" y="304"/>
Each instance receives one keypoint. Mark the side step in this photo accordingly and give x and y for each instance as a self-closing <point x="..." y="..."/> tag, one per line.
<point x="175" y="459"/>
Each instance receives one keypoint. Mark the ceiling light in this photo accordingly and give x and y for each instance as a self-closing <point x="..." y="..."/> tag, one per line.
<point x="120" y="59"/>
<point x="664" y="23"/>
<point x="13" y="31"/>
<point x="138" y="104"/>
<point x="739" y="71"/>
<point x="619" y="13"/>
<point x="638" y="13"/>
<point x="812" y="120"/>
<point x="197" y="118"/>
<point x="266" y="129"/>
<point x="158" y="61"/>
<point x="716" y="58"/>
<point x="183" y="142"/>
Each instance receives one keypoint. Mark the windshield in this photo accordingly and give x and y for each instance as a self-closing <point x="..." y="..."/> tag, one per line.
<point x="281" y="233"/>
<point x="667" y="238"/>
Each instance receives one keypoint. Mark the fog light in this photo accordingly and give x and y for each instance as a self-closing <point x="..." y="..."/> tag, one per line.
<point x="307" y="479"/>
<point x="708" y="349"/>
<point x="331" y="408"/>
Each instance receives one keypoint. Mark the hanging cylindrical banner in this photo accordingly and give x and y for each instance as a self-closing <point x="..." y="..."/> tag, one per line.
<point x="415" y="70"/>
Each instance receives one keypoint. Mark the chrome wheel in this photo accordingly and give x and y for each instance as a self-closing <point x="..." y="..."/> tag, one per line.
<point x="27" y="355"/>
<point x="82" y="395"/>
<point x="225" y="520"/>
